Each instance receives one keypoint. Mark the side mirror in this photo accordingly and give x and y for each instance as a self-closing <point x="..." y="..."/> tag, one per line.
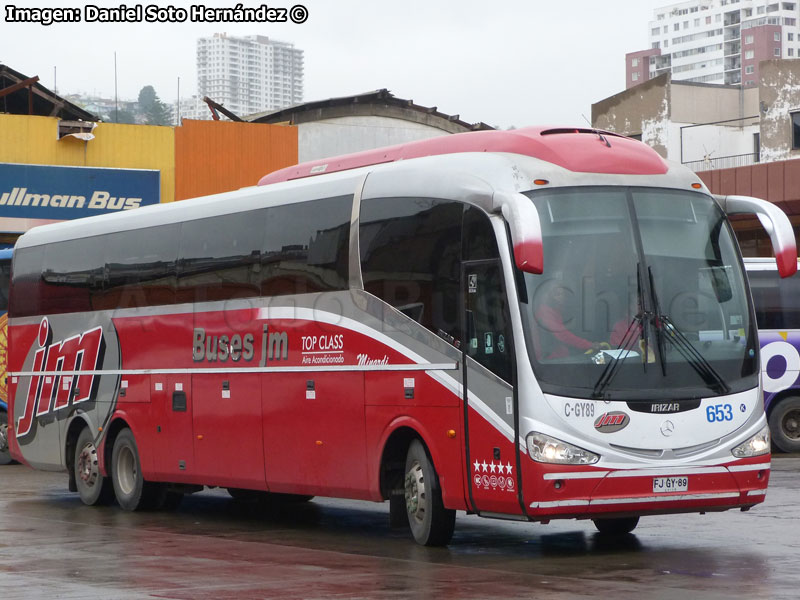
<point x="776" y="224"/>
<point x="526" y="230"/>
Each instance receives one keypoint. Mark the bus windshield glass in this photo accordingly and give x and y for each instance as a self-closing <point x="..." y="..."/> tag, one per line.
<point x="642" y="297"/>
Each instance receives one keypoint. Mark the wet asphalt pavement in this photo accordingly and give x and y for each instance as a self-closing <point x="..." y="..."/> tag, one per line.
<point x="52" y="546"/>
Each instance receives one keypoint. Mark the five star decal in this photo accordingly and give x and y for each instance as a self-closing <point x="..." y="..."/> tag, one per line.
<point x="499" y="468"/>
<point x="493" y="476"/>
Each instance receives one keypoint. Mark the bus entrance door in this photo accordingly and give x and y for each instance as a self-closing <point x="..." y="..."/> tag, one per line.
<point x="491" y="455"/>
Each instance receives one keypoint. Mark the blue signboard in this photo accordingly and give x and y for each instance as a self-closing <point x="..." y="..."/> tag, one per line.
<point x="61" y="193"/>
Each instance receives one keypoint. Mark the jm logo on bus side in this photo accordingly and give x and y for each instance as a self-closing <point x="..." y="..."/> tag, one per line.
<point x="49" y="391"/>
<point x="611" y="422"/>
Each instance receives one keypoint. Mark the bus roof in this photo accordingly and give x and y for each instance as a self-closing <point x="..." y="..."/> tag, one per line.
<point x="578" y="150"/>
<point x="495" y="159"/>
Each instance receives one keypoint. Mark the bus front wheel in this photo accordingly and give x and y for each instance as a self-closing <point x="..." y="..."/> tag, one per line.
<point x="618" y="526"/>
<point x="430" y="522"/>
<point x="784" y="424"/>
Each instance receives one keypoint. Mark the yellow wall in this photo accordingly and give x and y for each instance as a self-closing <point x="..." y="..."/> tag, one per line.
<point x="34" y="140"/>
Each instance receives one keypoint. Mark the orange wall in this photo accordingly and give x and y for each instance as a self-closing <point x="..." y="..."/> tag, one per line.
<point x="219" y="156"/>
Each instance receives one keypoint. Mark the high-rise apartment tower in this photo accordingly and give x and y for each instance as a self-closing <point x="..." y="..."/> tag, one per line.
<point x="249" y="74"/>
<point x="716" y="41"/>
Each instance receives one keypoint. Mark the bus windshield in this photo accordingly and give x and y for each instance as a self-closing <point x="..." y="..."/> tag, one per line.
<point x="643" y="297"/>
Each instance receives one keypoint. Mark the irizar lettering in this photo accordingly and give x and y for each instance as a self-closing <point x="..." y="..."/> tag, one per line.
<point x="99" y="200"/>
<point x="665" y="407"/>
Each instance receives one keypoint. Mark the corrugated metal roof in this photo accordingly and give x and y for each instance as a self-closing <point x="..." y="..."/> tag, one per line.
<point x="376" y="103"/>
<point x="34" y="98"/>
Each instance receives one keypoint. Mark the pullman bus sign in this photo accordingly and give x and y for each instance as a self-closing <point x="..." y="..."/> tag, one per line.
<point x="62" y="193"/>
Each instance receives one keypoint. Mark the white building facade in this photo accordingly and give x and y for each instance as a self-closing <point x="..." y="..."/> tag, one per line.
<point x="716" y="41"/>
<point x="375" y="119"/>
<point x="249" y="74"/>
<point x="707" y="126"/>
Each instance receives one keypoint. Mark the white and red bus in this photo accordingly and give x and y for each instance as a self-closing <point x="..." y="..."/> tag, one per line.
<point x="534" y="324"/>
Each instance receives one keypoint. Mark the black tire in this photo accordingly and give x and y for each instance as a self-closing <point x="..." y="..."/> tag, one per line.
<point x="431" y="523"/>
<point x="784" y="424"/>
<point x="93" y="488"/>
<point x="398" y="517"/>
<point x="5" y="453"/>
<point x="130" y="488"/>
<point x="618" y="526"/>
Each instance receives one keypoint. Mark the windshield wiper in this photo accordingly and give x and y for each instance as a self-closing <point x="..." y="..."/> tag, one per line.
<point x="694" y="358"/>
<point x="697" y="361"/>
<point x="635" y="327"/>
<point x="612" y="367"/>
<point x="663" y="325"/>
<point x="657" y="321"/>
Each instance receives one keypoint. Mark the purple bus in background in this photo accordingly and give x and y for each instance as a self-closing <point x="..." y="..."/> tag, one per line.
<point x="777" y="305"/>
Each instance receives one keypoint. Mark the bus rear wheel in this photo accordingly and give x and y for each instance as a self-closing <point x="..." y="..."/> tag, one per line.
<point x="430" y="522"/>
<point x="130" y="488"/>
<point x="616" y="526"/>
<point x="93" y="488"/>
<point x="784" y="424"/>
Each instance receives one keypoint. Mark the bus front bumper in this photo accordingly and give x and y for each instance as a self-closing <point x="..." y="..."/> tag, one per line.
<point x="567" y="493"/>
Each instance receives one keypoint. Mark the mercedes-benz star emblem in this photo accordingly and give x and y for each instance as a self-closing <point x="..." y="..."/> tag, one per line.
<point x="667" y="427"/>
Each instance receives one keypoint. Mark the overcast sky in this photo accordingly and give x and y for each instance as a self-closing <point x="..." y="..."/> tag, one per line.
<point x="506" y="62"/>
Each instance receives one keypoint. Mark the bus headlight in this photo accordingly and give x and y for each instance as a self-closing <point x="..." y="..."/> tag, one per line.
<point x="546" y="449"/>
<point x="756" y="446"/>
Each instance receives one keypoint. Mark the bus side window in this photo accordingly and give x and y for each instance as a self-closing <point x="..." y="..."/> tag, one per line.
<point x="71" y="274"/>
<point x="219" y="257"/>
<point x="490" y="344"/>
<point x="28" y="285"/>
<point x="410" y="258"/>
<point x="140" y="268"/>
<point x="776" y="300"/>
<point x="479" y="240"/>
<point x="306" y="247"/>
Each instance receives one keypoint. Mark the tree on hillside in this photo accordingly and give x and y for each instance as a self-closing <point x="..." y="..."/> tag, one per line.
<point x="150" y="105"/>
<point x="122" y="116"/>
